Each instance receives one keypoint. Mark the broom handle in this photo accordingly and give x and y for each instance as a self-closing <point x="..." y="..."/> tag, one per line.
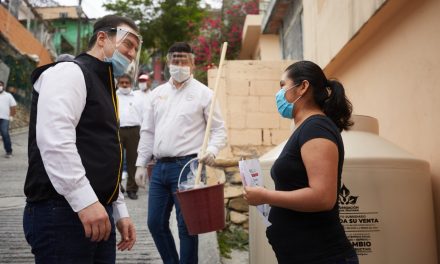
<point x="211" y="111"/>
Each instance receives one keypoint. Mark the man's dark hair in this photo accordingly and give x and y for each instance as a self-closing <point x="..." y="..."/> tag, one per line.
<point x="1" y="82"/>
<point x="109" y="22"/>
<point x="180" y="47"/>
<point x="126" y="76"/>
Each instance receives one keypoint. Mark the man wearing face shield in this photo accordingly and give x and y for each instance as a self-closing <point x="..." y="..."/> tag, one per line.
<point x="173" y="130"/>
<point x="75" y="157"/>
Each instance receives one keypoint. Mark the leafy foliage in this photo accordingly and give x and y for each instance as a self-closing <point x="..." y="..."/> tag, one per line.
<point x="21" y="67"/>
<point x="232" y="238"/>
<point x="226" y="26"/>
<point x="162" y="22"/>
<point x="233" y="18"/>
<point x="207" y="47"/>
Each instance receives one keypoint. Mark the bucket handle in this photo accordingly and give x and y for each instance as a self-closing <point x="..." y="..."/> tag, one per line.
<point x="181" y="171"/>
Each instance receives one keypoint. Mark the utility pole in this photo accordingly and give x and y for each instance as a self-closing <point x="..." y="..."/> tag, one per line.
<point x="78" y="36"/>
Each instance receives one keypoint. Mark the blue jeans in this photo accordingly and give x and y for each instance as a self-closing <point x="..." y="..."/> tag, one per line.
<point x="56" y="235"/>
<point x="161" y="199"/>
<point x="4" y="132"/>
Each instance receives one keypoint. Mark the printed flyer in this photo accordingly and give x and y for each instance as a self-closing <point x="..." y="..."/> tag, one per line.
<point x="251" y="175"/>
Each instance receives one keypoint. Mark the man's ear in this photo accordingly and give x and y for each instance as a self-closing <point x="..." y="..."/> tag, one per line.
<point x="101" y="37"/>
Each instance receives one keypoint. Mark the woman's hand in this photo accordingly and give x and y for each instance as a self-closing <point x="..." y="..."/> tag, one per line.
<point x="255" y="195"/>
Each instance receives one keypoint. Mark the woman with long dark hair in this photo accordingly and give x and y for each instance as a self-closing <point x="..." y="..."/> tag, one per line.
<point x="305" y="215"/>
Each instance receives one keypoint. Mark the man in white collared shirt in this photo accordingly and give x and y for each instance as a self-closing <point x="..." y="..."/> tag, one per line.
<point x="144" y="84"/>
<point x="7" y="111"/>
<point x="173" y="130"/>
<point x="130" y="113"/>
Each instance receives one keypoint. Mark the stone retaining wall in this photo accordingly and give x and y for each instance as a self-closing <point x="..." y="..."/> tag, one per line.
<point x="21" y="118"/>
<point x="236" y="208"/>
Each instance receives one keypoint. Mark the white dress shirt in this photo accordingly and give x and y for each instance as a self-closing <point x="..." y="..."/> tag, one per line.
<point x="130" y="109"/>
<point x="175" y="121"/>
<point x="143" y="100"/>
<point x="62" y="98"/>
<point x="142" y="95"/>
<point x="6" y="102"/>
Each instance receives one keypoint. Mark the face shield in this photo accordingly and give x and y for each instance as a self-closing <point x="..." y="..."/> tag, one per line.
<point x="180" y="65"/>
<point x="125" y="58"/>
<point x="180" y="59"/>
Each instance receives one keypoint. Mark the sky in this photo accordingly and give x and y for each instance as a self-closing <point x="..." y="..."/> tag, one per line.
<point x="94" y="9"/>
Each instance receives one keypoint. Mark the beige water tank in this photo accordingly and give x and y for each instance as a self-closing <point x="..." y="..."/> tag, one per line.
<point x="386" y="203"/>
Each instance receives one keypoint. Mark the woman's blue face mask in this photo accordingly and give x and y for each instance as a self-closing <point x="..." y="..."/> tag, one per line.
<point x="284" y="107"/>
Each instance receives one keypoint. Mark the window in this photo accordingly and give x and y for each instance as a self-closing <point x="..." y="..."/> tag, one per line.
<point x="291" y="32"/>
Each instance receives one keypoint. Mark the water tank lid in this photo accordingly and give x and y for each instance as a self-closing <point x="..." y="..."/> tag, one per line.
<point x="365" y="123"/>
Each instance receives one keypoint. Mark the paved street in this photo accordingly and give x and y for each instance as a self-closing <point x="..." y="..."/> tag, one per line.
<point x="13" y="246"/>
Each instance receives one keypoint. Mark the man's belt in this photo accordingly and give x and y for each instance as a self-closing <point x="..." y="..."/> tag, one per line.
<point x="175" y="159"/>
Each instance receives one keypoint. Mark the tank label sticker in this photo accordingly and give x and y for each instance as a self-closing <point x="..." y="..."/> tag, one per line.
<point x="359" y="225"/>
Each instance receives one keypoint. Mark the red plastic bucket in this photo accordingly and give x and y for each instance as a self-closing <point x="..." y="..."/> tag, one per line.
<point x="203" y="208"/>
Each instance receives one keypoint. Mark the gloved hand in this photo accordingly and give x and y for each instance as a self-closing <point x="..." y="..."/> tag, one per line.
<point x="141" y="176"/>
<point x="208" y="158"/>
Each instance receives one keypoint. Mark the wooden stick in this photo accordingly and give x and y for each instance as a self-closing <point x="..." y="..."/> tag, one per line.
<point x="211" y="111"/>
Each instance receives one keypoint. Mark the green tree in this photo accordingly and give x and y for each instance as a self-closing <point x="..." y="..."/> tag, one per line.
<point x="161" y="22"/>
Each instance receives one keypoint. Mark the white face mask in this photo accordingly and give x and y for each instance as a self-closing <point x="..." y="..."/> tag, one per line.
<point x="180" y="73"/>
<point x="143" y="86"/>
<point x="124" y="90"/>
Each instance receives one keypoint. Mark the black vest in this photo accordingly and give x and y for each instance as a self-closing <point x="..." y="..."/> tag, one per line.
<point x="97" y="136"/>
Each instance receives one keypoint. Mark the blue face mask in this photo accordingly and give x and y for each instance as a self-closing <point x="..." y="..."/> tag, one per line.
<point x="120" y="63"/>
<point x="284" y="107"/>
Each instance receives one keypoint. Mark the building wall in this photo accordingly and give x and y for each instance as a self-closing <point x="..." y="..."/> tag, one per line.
<point x="39" y="28"/>
<point x="329" y="25"/>
<point x="254" y="45"/>
<point x="390" y="71"/>
<point x="56" y="12"/>
<point x="247" y="99"/>
<point x="291" y="32"/>
<point x="21" y="39"/>
<point x="269" y="48"/>
<point x="68" y="29"/>
<point x="385" y="52"/>
<point x="15" y="70"/>
<point x="250" y="37"/>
